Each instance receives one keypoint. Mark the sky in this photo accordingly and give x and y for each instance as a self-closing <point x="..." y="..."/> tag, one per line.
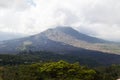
<point x="99" y="18"/>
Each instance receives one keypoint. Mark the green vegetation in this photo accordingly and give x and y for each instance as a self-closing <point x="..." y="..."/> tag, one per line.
<point x="84" y="58"/>
<point x="48" y="71"/>
<point x="60" y="70"/>
<point x="51" y="66"/>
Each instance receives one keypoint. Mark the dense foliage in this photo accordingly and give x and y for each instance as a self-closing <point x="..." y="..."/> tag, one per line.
<point x="60" y="70"/>
<point x="48" y="71"/>
<point x="50" y="66"/>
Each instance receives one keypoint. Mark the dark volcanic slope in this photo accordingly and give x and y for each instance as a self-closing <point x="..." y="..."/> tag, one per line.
<point x="35" y="43"/>
<point x="60" y="39"/>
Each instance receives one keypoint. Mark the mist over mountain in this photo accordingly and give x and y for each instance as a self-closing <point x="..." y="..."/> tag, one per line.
<point x="9" y="36"/>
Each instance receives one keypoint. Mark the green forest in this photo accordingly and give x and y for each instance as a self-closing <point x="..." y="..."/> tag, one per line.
<point x="51" y="66"/>
<point x="60" y="70"/>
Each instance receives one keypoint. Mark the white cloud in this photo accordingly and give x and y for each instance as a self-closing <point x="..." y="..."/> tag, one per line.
<point x="94" y="17"/>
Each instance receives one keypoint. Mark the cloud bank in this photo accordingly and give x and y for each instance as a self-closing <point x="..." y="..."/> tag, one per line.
<point x="98" y="18"/>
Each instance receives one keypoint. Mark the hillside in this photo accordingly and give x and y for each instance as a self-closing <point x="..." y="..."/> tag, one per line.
<point x="61" y="40"/>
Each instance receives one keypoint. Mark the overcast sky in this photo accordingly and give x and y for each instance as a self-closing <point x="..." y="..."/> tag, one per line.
<point x="99" y="18"/>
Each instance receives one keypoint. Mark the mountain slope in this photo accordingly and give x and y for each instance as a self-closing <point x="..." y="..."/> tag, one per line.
<point x="61" y="40"/>
<point x="79" y="36"/>
<point x="67" y="42"/>
<point x="72" y="37"/>
<point x="85" y="57"/>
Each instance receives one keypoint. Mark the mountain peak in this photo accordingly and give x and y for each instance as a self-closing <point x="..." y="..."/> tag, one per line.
<point x="63" y="27"/>
<point x="56" y="39"/>
<point x="74" y="33"/>
<point x="60" y="28"/>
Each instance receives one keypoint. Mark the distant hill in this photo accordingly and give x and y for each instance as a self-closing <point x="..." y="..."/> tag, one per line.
<point x="9" y="36"/>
